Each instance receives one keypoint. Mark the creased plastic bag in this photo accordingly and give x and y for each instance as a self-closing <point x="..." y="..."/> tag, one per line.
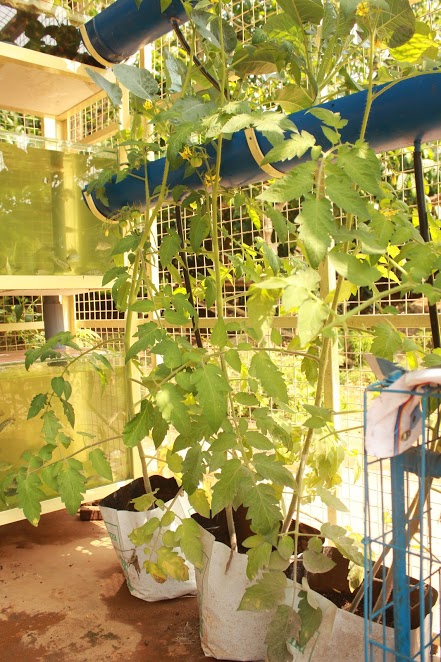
<point x="228" y="634"/>
<point x="119" y="524"/>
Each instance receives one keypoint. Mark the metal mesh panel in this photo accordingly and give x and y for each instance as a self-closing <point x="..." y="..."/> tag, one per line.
<point x="91" y="119"/>
<point x="21" y="323"/>
<point x="28" y="124"/>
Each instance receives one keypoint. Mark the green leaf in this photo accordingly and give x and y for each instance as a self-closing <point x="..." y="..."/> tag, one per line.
<point x="295" y="146"/>
<point x="51" y="427"/>
<point x="151" y="568"/>
<point x="340" y="189"/>
<point x="286" y="547"/>
<point x="143" y="306"/>
<point x="232" y="357"/>
<point x="112" y="90"/>
<point x="49" y="475"/>
<point x="265" y="594"/>
<point x="219" y="335"/>
<point x="168" y="518"/>
<point x="175" y="69"/>
<point x="269" y="376"/>
<point x="227" y="486"/>
<point x="311" y="619"/>
<point x="328" y="118"/>
<point x="190" y="541"/>
<point x="280" y="223"/>
<point x="395" y="22"/>
<point x="346" y="545"/>
<point x="421" y="43"/>
<point x="354" y="270"/>
<point x="29" y="496"/>
<point x="57" y="385"/>
<point x="285" y="625"/>
<point x="299" y="288"/>
<point x="170" y="539"/>
<point x="316" y="562"/>
<point x="139" y="82"/>
<point x="169" y="400"/>
<point x="193" y="469"/>
<point x="259" y="60"/>
<point x="317" y="224"/>
<point x="199" y="230"/>
<point x="148" y="335"/>
<point x="247" y="399"/>
<point x="113" y="273"/>
<point x="263" y="508"/>
<point x="212" y="389"/>
<point x="72" y="486"/>
<point x="172" y="564"/>
<point x="210" y="292"/>
<point x="319" y="416"/>
<point x="125" y="245"/>
<point x="229" y="38"/>
<point x="144" y="502"/>
<point x="199" y="501"/>
<point x="178" y="139"/>
<point x="387" y="343"/>
<point x="260" y="306"/>
<point x="297" y="183"/>
<point x="258" y="440"/>
<point x="225" y="441"/>
<point x="258" y="558"/>
<point x="330" y="499"/>
<point x="293" y="98"/>
<point x="139" y="426"/>
<point x="273" y="470"/>
<point x="39" y="401"/>
<point x="303" y="11"/>
<point x="310" y="320"/>
<point x="362" y="167"/>
<point x="142" y="534"/>
<point x="69" y="412"/>
<point x="169" y="248"/>
<point x="100" y="463"/>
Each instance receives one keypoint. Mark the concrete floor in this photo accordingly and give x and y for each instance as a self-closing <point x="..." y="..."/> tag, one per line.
<point x="63" y="598"/>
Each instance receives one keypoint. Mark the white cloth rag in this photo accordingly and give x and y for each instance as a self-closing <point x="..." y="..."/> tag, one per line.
<point x="393" y="420"/>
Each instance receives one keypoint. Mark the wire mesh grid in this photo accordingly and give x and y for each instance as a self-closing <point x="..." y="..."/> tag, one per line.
<point x="22" y="312"/>
<point x="403" y="541"/>
<point x="20" y="122"/>
<point x="92" y="119"/>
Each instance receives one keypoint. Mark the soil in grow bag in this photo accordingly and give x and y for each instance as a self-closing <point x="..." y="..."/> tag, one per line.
<point x="334" y="586"/>
<point x="218" y="527"/>
<point x="167" y="488"/>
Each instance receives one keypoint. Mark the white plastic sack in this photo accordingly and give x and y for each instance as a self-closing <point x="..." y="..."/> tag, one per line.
<point x="340" y="638"/>
<point x="393" y="420"/>
<point x="119" y="524"/>
<point x="227" y="634"/>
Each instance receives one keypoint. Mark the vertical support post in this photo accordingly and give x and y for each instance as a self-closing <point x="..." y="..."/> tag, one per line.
<point x="424" y="231"/>
<point x="331" y="398"/>
<point x="401" y="599"/>
<point x="52" y="316"/>
<point x="68" y="305"/>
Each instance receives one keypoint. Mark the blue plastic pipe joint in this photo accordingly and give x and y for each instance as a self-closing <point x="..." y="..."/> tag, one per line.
<point x="120" y="30"/>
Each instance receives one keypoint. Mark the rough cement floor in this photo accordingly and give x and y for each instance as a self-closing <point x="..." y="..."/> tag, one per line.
<point x="63" y="598"/>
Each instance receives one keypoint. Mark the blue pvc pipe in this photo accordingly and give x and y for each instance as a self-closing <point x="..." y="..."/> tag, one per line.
<point x="409" y="110"/>
<point x="121" y="29"/>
